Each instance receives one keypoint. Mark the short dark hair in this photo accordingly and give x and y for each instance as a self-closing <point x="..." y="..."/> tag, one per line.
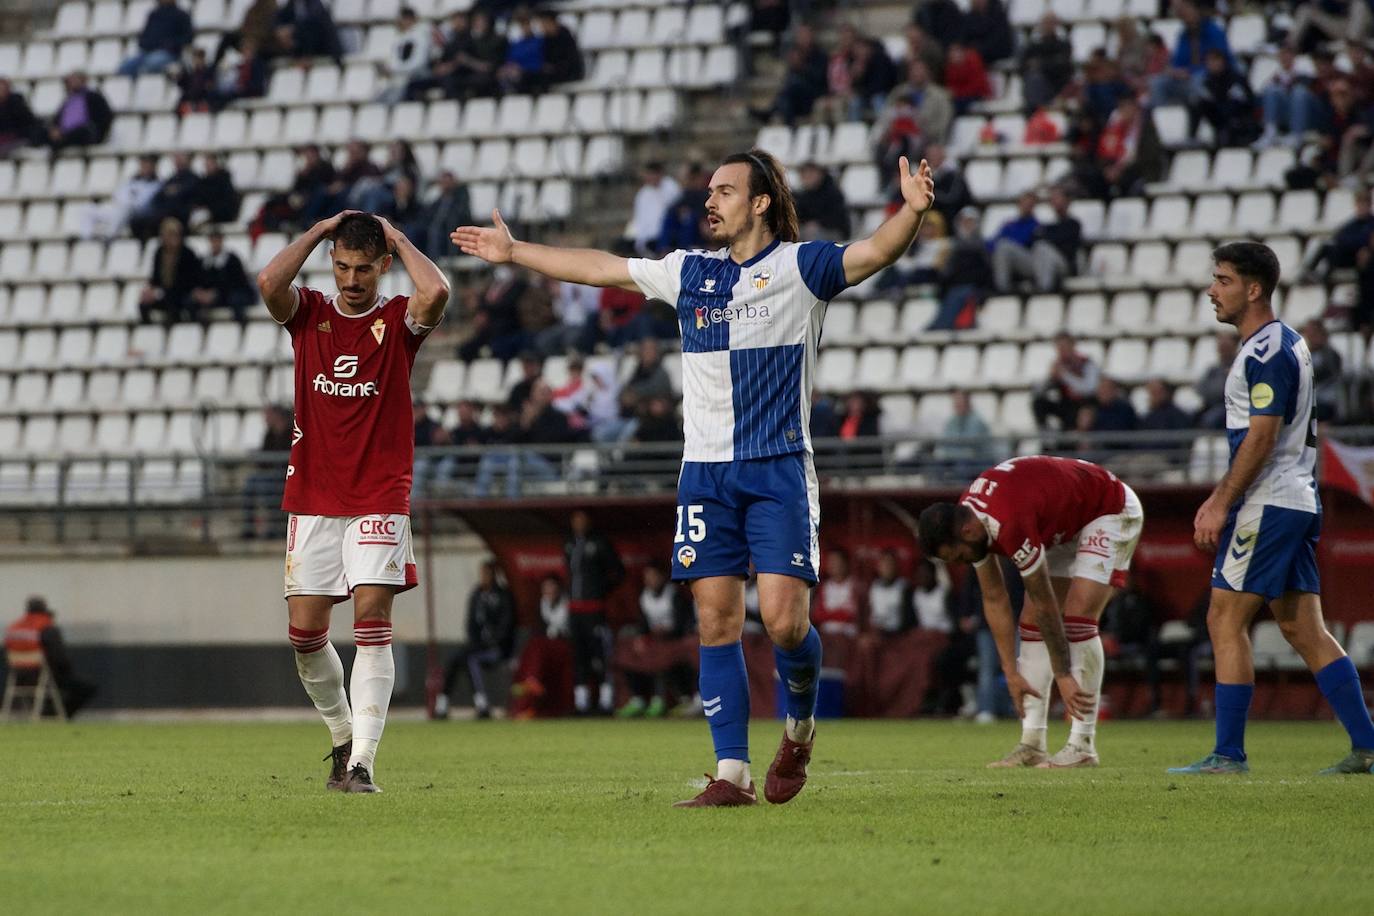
<point x="361" y="232"/>
<point x="1253" y="261"/>
<point x="937" y="526"/>
<point x="767" y="176"/>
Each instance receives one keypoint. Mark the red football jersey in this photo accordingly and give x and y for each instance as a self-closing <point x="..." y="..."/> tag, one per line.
<point x="1032" y="503"/>
<point x="353" y="448"/>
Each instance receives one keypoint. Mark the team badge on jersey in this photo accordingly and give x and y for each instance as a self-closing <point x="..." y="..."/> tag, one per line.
<point x="686" y="555"/>
<point x="701" y="319"/>
<point x="760" y="277"/>
<point x="379" y="329"/>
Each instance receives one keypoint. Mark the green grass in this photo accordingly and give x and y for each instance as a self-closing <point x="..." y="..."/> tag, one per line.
<point x="575" y="817"/>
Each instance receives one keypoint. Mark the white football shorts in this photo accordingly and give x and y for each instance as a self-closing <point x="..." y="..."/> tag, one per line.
<point x="1102" y="553"/>
<point x="332" y="555"/>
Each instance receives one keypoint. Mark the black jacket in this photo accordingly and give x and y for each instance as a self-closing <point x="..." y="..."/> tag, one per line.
<point x="217" y="194"/>
<point x="226" y="276"/>
<point x="825" y="205"/>
<point x="98" y="114"/>
<point x="16" y="117"/>
<point x="491" y="620"/>
<point x="167" y="28"/>
<point x="562" y="57"/>
<point x="594" y="568"/>
<point x="185" y="278"/>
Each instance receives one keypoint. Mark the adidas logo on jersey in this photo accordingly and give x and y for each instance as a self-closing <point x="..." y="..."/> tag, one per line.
<point x="324" y="326"/>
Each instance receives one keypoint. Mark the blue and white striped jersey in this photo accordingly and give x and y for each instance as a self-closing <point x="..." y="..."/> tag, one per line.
<point x="749" y="338"/>
<point x="1272" y="376"/>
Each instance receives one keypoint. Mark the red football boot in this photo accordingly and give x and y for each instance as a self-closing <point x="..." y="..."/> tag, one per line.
<point x="787" y="772"/>
<point x="721" y="793"/>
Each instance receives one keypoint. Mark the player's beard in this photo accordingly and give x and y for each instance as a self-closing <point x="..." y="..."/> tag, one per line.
<point x="720" y="234"/>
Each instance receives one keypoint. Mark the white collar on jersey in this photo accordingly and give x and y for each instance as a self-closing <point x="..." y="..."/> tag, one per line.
<point x="334" y="301"/>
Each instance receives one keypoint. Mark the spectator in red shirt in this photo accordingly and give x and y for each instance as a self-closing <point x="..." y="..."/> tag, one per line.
<point x="838" y="597"/>
<point x="966" y="77"/>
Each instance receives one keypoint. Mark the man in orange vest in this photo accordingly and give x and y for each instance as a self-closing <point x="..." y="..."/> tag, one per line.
<point x="37" y="631"/>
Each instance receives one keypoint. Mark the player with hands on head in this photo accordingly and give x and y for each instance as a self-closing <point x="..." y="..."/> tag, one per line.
<point x="750" y="313"/>
<point x="1071" y="528"/>
<point x="349" y="478"/>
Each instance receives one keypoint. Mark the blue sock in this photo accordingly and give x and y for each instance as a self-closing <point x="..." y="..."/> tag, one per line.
<point x="724" y="687"/>
<point x="800" y="670"/>
<point x="1233" y="706"/>
<point x="1340" y="684"/>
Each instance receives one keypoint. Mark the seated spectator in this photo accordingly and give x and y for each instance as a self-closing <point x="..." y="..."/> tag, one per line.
<point x="952" y="193"/>
<point x="803" y="83"/>
<point x="620" y="319"/>
<point x="1112" y="412"/>
<point x="305" y="29"/>
<point x="524" y="62"/>
<point x="966" y="276"/>
<point x="1211" y="387"/>
<point x="1341" y="251"/>
<point x="540" y="423"/>
<point x="223" y="282"/>
<point x="770" y="16"/>
<point x="873" y="76"/>
<point x="1290" y="106"/>
<point x="860" y="419"/>
<point x="682" y="223"/>
<point x="1224" y="100"/>
<point x="377" y="193"/>
<point x="657" y="192"/>
<point x="966" y="77"/>
<point x="1132" y="51"/>
<point x="1348" y="134"/>
<point x="836" y="608"/>
<point x="1011" y="246"/>
<point x="821" y="208"/>
<point x="166" y="33"/>
<point x="447" y="44"/>
<point x="1072" y="383"/>
<point x="915" y="115"/>
<point x="174" y="200"/>
<point x="965" y="448"/>
<point x="941" y="18"/>
<point x="215" y="195"/>
<point x="18" y="125"/>
<point x="987" y="29"/>
<point x="649" y="379"/>
<point x="451" y="207"/>
<point x="925" y="260"/>
<point x="83" y="118"/>
<point x="258" y="26"/>
<point x="351" y="178"/>
<point x="1328" y="384"/>
<point x="247" y="79"/>
<point x="1163" y="414"/>
<point x="563" y="61"/>
<point x="1128" y="153"/>
<point x="657" y="653"/>
<point x="36" y="631"/>
<point x="175" y="276"/>
<point x="480" y="55"/>
<point x="1046" y="65"/>
<point x="314" y="174"/>
<point x="890" y="609"/>
<point x="544" y="675"/>
<point x="132" y="199"/>
<point x="531" y="373"/>
<point x="1052" y="254"/>
<point x="263" y="487"/>
<point x="576" y="309"/>
<point x="490" y="641"/>
<point x="590" y="399"/>
<point x="1317" y="23"/>
<point x="494" y="324"/>
<point x="1187" y="66"/>
<point x="198" y="82"/>
<point x="1103" y="86"/>
<point x="825" y="420"/>
<point x="409" y="58"/>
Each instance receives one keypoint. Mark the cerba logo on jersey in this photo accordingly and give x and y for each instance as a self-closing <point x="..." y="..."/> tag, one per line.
<point x="745" y="313"/>
<point x="345" y="367"/>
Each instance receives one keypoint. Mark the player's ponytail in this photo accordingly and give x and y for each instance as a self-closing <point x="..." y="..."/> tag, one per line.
<point x="767" y="176"/>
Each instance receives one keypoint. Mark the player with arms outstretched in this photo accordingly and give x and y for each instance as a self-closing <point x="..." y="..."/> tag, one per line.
<point x="750" y="313"/>
<point x="1071" y="528"/>
<point x="348" y="482"/>
<point x="1264" y="517"/>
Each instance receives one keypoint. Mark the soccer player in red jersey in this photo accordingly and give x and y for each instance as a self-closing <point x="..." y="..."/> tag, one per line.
<point x="1071" y="528"/>
<point x="348" y="483"/>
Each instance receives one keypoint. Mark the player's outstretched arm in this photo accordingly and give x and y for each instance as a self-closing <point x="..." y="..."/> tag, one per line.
<point x="431" y="286"/>
<point x="1040" y="592"/>
<point x="274" y="280"/>
<point x="1251" y="457"/>
<point x="496" y="245"/>
<point x="867" y="256"/>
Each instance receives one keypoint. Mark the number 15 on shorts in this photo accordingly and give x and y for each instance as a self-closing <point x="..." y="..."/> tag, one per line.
<point x="696" y="525"/>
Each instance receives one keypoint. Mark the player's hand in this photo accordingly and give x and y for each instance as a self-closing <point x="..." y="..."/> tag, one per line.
<point x="1207" y="525"/>
<point x="393" y="235"/>
<point x="327" y="226"/>
<point x="492" y="244"/>
<point x="1078" y="700"/>
<point x="918" y="189"/>
<point x="1019" y="688"/>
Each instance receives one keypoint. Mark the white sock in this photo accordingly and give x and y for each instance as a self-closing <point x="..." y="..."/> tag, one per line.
<point x="736" y="771"/>
<point x="1087" y="662"/>
<point x="607" y="695"/>
<point x="1034" y="665"/>
<point x="479" y="701"/>
<point x="322" y="675"/>
<point x="582" y="697"/>
<point x="374" y="674"/>
<point x="801" y="730"/>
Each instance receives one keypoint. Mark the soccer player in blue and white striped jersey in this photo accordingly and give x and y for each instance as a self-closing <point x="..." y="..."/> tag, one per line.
<point x="750" y="313"/>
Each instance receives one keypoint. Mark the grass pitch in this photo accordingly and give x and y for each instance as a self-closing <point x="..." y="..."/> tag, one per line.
<point x="575" y="817"/>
